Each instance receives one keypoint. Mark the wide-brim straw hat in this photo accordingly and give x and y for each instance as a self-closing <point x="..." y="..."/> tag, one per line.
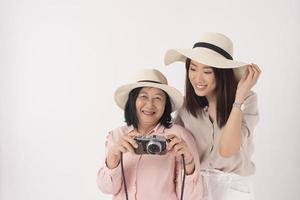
<point x="149" y="78"/>
<point x="212" y="49"/>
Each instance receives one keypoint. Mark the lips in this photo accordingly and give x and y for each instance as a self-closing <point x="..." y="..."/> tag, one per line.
<point x="147" y="112"/>
<point x="201" y="87"/>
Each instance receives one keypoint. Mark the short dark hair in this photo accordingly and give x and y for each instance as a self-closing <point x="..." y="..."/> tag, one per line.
<point x="130" y="110"/>
<point x="226" y="85"/>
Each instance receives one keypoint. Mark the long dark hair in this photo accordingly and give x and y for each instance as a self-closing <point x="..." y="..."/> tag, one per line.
<point x="130" y="110"/>
<point x="226" y="85"/>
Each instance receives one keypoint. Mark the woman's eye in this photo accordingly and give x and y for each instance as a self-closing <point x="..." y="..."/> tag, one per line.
<point x="143" y="97"/>
<point x="158" y="98"/>
<point x="192" y="69"/>
<point x="208" y="72"/>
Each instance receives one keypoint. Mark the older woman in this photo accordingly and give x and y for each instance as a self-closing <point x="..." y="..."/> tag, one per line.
<point x="148" y="103"/>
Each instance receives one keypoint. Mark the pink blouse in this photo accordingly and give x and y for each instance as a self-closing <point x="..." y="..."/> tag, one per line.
<point x="151" y="177"/>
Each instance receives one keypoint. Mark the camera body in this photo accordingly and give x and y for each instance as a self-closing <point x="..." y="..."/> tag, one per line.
<point x="151" y="144"/>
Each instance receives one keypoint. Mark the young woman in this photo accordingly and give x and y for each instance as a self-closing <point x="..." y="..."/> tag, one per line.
<point x="220" y="110"/>
<point x="148" y="103"/>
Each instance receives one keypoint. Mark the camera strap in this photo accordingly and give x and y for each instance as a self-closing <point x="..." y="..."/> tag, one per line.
<point x="182" y="184"/>
<point x="183" y="178"/>
<point x="123" y="176"/>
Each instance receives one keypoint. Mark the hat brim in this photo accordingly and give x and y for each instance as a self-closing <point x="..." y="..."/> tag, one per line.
<point x="206" y="57"/>
<point x="121" y="94"/>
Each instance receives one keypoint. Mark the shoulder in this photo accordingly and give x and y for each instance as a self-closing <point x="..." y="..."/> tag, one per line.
<point x="176" y="127"/>
<point x="179" y="131"/>
<point x="186" y="116"/>
<point x="182" y="111"/>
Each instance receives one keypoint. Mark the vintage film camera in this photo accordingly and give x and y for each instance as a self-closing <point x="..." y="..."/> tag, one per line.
<point x="151" y="144"/>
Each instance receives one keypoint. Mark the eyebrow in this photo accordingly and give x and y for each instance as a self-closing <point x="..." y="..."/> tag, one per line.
<point x="205" y="67"/>
<point x="159" y="93"/>
<point x="193" y="64"/>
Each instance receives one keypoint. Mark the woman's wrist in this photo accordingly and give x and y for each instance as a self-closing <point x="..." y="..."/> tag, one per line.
<point x="190" y="168"/>
<point x="189" y="162"/>
<point x="239" y="99"/>
<point x="240" y="96"/>
<point x="112" y="161"/>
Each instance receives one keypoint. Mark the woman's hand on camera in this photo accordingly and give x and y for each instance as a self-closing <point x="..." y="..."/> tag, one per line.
<point x="247" y="81"/>
<point x="125" y="144"/>
<point x="179" y="146"/>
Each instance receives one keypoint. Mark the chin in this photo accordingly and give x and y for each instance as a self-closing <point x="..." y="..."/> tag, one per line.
<point x="149" y="121"/>
<point x="201" y="94"/>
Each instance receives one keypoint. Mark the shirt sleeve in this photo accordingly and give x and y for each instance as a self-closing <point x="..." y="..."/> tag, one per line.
<point x="250" y="115"/>
<point x="193" y="187"/>
<point x="109" y="181"/>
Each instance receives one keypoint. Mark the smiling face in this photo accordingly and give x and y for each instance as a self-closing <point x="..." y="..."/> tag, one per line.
<point x="202" y="78"/>
<point x="150" y="106"/>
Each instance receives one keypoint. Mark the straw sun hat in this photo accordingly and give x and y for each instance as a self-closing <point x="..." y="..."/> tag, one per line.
<point x="212" y="49"/>
<point x="149" y="78"/>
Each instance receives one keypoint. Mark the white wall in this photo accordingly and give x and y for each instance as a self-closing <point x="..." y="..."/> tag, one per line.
<point x="61" y="60"/>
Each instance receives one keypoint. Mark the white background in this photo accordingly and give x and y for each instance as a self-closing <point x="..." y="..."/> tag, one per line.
<point x="61" y="60"/>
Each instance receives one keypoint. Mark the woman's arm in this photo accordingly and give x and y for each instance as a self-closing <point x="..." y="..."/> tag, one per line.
<point x="109" y="180"/>
<point x="193" y="188"/>
<point x="109" y="177"/>
<point x="232" y="136"/>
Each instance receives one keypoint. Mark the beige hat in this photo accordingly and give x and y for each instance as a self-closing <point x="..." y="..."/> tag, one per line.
<point x="213" y="49"/>
<point x="149" y="78"/>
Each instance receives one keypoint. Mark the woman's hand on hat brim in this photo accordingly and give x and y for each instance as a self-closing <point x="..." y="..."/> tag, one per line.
<point x="248" y="80"/>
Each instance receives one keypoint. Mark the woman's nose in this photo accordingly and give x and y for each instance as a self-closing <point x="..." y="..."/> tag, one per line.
<point x="150" y="103"/>
<point x="198" y="77"/>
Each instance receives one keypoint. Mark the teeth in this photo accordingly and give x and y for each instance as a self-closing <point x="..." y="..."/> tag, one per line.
<point x="148" y="112"/>
<point x="200" y="86"/>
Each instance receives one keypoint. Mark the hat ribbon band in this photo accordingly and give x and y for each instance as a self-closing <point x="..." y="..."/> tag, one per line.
<point x="150" y="81"/>
<point x="214" y="48"/>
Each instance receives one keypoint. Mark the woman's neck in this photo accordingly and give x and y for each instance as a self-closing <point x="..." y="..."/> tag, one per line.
<point x="145" y="129"/>
<point x="212" y="107"/>
<point x="212" y="100"/>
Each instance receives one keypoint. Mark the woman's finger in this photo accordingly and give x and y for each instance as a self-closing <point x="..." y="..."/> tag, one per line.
<point x="250" y="75"/>
<point x="251" y="81"/>
<point x="174" y="141"/>
<point x="133" y="134"/>
<point x="182" y="152"/>
<point x="256" y="75"/>
<point x="127" y="146"/>
<point x="131" y="141"/>
<point x="178" y="146"/>
<point x="256" y="67"/>
<point x="123" y="149"/>
<point x="171" y="136"/>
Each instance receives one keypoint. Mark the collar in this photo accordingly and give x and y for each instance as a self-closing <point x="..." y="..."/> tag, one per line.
<point x="157" y="129"/>
<point x="205" y="109"/>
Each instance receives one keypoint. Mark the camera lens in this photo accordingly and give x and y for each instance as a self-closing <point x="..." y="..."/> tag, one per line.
<point x="154" y="147"/>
